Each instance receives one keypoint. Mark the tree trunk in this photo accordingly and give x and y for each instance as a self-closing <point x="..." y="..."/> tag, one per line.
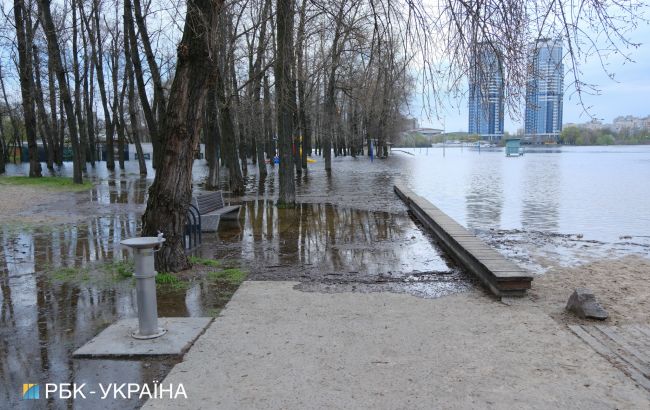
<point x="83" y="136"/>
<point x="55" y="53"/>
<point x="47" y="128"/>
<point x="171" y="192"/>
<point x="57" y="145"/>
<point x="212" y="140"/>
<point x="3" y="150"/>
<point x="303" y="119"/>
<point x="268" y="123"/>
<point x="95" y="35"/>
<point x="12" y="118"/>
<point x="27" y="85"/>
<point x="89" y="70"/>
<point x="285" y="101"/>
<point x="228" y="131"/>
<point x="159" y="98"/>
<point x="229" y="138"/>
<point x="152" y="125"/>
<point x="118" y="97"/>
<point x="133" y="115"/>
<point x="257" y="111"/>
<point x="121" y="130"/>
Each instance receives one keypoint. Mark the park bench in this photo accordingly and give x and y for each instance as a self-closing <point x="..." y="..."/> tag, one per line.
<point x="212" y="209"/>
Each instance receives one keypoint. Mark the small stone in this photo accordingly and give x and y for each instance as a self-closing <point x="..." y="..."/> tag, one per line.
<point x="584" y="304"/>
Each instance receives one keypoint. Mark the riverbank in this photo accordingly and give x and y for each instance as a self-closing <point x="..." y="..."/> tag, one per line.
<point x="621" y="285"/>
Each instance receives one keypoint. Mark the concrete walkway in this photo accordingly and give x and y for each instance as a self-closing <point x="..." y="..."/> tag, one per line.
<point x="275" y="347"/>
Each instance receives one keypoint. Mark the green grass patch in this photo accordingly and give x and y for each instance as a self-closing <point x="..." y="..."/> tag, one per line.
<point x="169" y="280"/>
<point x="119" y="269"/>
<point x="56" y="183"/>
<point x="69" y="274"/>
<point x="214" y="312"/>
<point x="195" y="260"/>
<point x="233" y="275"/>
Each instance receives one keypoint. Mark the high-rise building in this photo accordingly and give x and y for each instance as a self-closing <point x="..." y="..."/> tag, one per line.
<point x="486" y="94"/>
<point x="544" y="92"/>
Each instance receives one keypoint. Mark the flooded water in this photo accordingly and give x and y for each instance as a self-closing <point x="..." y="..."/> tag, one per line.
<point x="600" y="192"/>
<point x="57" y="293"/>
<point x="349" y="233"/>
<point x="548" y="208"/>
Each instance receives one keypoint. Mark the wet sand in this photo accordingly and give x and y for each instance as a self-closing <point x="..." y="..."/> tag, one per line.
<point x="621" y="285"/>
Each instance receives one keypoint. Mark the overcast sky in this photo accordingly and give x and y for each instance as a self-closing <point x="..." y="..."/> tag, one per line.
<point x="629" y="94"/>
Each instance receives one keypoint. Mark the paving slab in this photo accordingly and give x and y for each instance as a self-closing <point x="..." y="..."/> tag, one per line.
<point x="116" y="342"/>
<point x="276" y="347"/>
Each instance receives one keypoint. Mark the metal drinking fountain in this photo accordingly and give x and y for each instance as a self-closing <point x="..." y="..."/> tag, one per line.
<point x="145" y="277"/>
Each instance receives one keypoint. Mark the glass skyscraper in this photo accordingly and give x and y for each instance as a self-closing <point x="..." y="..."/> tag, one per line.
<point x="486" y="94"/>
<point x="544" y="92"/>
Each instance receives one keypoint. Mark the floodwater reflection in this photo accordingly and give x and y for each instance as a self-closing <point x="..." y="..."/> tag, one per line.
<point x="55" y="295"/>
<point x="322" y="241"/>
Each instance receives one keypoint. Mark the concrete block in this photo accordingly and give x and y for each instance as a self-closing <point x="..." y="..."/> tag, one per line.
<point x="116" y="342"/>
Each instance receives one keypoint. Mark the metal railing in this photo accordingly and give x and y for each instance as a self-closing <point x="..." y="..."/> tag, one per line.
<point x="192" y="234"/>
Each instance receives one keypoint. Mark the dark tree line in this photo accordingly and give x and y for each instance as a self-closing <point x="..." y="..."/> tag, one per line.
<point x="254" y="80"/>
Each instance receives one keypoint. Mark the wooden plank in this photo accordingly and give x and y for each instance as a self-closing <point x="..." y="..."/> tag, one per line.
<point x="643" y="329"/>
<point x="638" y="337"/>
<point x="624" y="350"/>
<point x="612" y="357"/>
<point x="499" y="275"/>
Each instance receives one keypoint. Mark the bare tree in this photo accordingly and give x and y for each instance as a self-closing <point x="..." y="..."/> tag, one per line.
<point x="285" y="101"/>
<point x="55" y="54"/>
<point x="27" y="84"/>
<point x="170" y="194"/>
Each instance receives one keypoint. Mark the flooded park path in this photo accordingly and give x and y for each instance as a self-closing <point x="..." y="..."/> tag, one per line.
<point x="64" y="276"/>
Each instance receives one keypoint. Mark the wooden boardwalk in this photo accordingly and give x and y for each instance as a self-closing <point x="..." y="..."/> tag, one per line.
<point x="501" y="276"/>
<point x="627" y="347"/>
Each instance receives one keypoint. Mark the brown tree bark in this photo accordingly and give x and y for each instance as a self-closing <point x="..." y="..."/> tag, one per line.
<point x="285" y="101"/>
<point x="171" y="192"/>
<point x="228" y="136"/>
<point x="3" y="150"/>
<point x="83" y="136"/>
<point x="55" y="53"/>
<point x="57" y="146"/>
<point x="257" y="120"/>
<point x="12" y="118"/>
<point x="268" y="122"/>
<point x="227" y="122"/>
<point x="152" y="124"/>
<point x="212" y="140"/>
<point x="88" y="85"/>
<point x="47" y="133"/>
<point x="160" y="100"/>
<point x="133" y="115"/>
<point x="301" y="79"/>
<point x="95" y="36"/>
<point x="27" y="85"/>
